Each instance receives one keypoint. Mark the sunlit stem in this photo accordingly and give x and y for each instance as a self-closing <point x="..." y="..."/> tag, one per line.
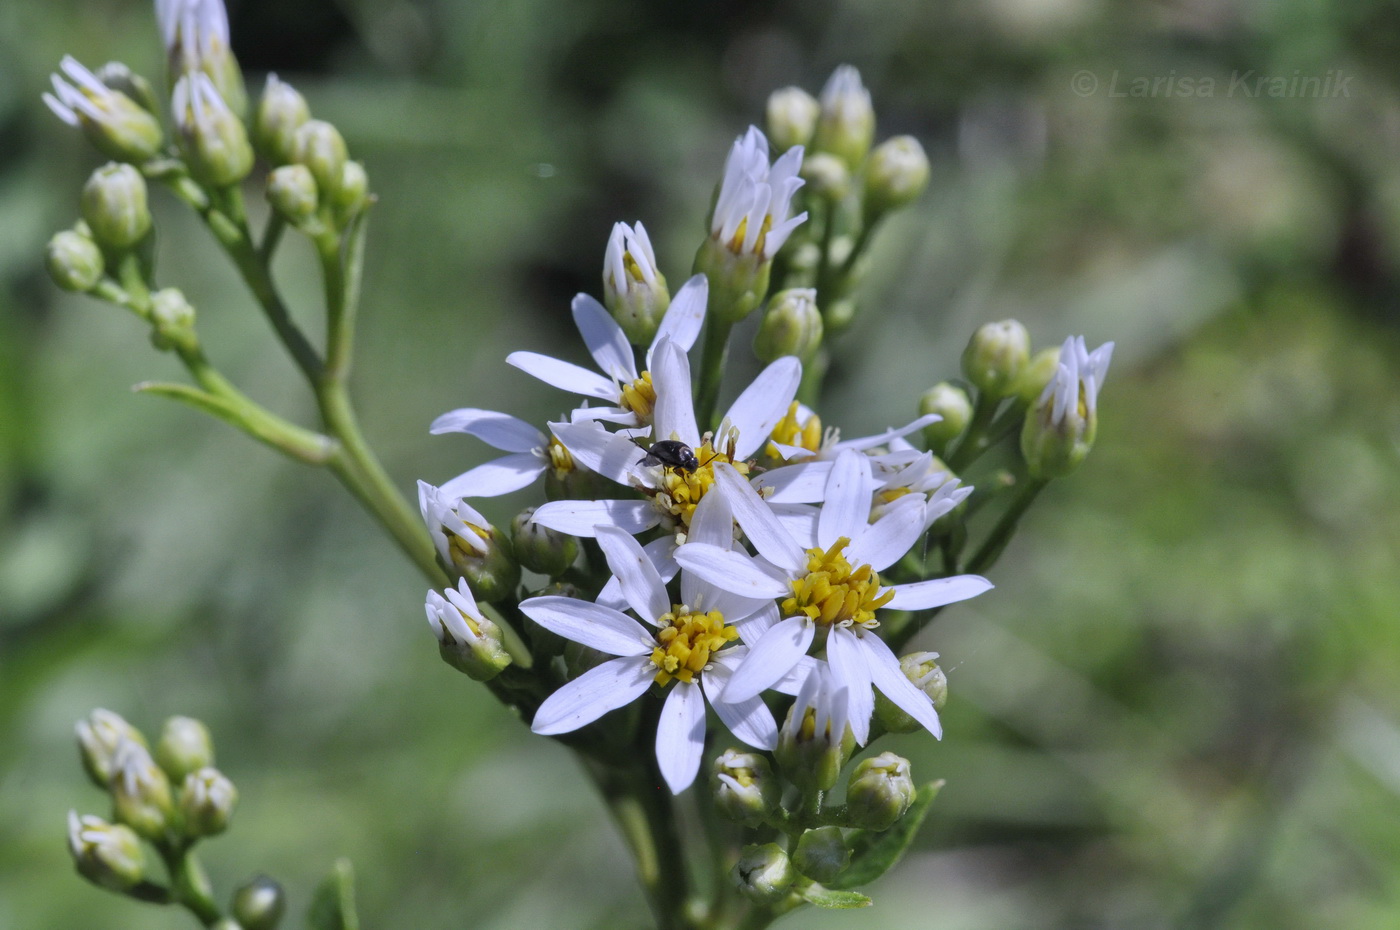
<point x="711" y="369"/>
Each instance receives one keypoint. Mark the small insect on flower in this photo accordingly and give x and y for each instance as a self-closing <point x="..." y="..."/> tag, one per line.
<point x="671" y="453"/>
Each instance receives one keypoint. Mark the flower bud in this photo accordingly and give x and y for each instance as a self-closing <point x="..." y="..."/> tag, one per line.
<point x="1059" y="430"/>
<point x="895" y="176"/>
<point x="196" y="37"/>
<point x="467" y="542"/>
<point x="879" y="792"/>
<point x="738" y="280"/>
<point x="211" y="134"/>
<point x="114" y="206"/>
<point x="207" y="800"/>
<point x="1036" y="375"/>
<point x="258" y="904"/>
<point x="921" y="669"/>
<point x="185" y="746"/>
<point x="846" y="123"/>
<point x="745" y="789"/>
<point x="840" y="314"/>
<point x="281" y="111"/>
<point x="122" y="79"/>
<point x="995" y="357"/>
<point x="319" y="146"/>
<point x="353" y="194"/>
<point x="467" y="640"/>
<point x="792" y="325"/>
<point x="634" y="290"/>
<point x="792" y="117"/>
<point x="172" y="320"/>
<point x="827" y="176"/>
<point x="118" y="126"/>
<point x="539" y="548"/>
<point x="952" y="404"/>
<point x="141" y="791"/>
<point x="108" y="855"/>
<point x="98" y="738"/>
<point x="74" y="261"/>
<point x="292" y="192"/>
<point x="815" y="740"/>
<point x="821" y="854"/>
<point x="763" y="873"/>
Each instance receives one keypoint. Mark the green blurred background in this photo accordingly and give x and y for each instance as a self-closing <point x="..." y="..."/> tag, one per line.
<point x="1180" y="707"/>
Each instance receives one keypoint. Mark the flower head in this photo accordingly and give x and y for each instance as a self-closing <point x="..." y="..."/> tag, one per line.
<point x="1060" y="429"/>
<point x="755" y="198"/>
<point x="116" y="124"/>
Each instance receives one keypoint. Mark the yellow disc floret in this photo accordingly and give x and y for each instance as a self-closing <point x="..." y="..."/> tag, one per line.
<point x="640" y="397"/>
<point x="833" y="593"/>
<point x="686" y="641"/>
<point x="791" y="432"/>
<point x="679" y="490"/>
<point x="560" y="459"/>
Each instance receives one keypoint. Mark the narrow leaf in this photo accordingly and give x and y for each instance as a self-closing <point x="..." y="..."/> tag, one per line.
<point x="873" y="854"/>
<point x="333" y="905"/>
<point x="834" y="899"/>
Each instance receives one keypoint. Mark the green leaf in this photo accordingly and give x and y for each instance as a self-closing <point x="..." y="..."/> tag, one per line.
<point x="333" y="905"/>
<point x="873" y="854"/>
<point x="831" y="898"/>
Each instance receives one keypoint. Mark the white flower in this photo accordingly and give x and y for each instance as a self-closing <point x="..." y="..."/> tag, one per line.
<point x="629" y="242"/>
<point x="751" y="211"/>
<point x="455" y="619"/>
<point x="530" y="452"/>
<point x="451" y="522"/>
<point x="194" y="31"/>
<point x="629" y="392"/>
<point x="926" y="477"/>
<point x="687" y="649"/>
<point x="1077" y="380"/>
<point x="834" y="584"/>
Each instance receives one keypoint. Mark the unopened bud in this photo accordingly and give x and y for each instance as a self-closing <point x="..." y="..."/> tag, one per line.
<point x="211" y="134"/>
<point x="74" y="261"/>
<point x="172" y="320"/>
<point x="921" y="669"/>
<point x="141" y="795"/>
<point x="792" y="325"/>
<point x="792" y="117"/>
<point x="468" y="542"/>
<point x="114" y="206"/>
<point x="827" y="176"/>
<point x="840" y="314"/>
<point x="467" y="640"/>
<point x="539" y="548"/>
<point x="98" y="738"/>
<point x="292" y="192"/>
<point x="119" y="77"/>
<point x="207" y="800"/>
<point x="815" y="740"/>
<point x="634" y="290"/>
<point x="846" y="124"/>
<point x="879" y="792"/>
<point x="259" y="904"/>
<point x="1060" y="428"/>
<point x="763" y="873"/>
<point x="821" y="854"/>
<point x="896" y="174"/>
<point x="118" y="126"/>
<point x="953" y="406"/>
<point x="1036" y="375"/>
<point x="745" y="789"/>
<point x="106" y="854"/>
<point x="995" y="357"/>
<point x="319" y="146"/>
<point x="185" y="746"/>
<point x="282" y="110"/>
<point x="353" y="194"/>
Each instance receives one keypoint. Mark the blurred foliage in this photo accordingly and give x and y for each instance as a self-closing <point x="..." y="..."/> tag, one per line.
<point x="1179" y="709"/>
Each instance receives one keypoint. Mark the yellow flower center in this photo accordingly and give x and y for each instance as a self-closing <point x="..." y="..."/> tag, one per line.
<point x="686" y="641"/>
<point x="560" y="459"/>
<point x="890" y="495"/>
<point x="833" y="593"/>
<point x="640" y="397"/>
<point x="736" y="243"/>
<point x="679" y="490"/>
<point x="462" y="548"/>
<point x="790" y="432"/>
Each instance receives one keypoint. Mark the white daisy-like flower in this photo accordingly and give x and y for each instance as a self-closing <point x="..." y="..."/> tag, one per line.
<point x="530" y="453"/>
<point x="687" y="648"/>
<point x="629" y="394"/>
<point x="751" y="211"/>
<point x="834" y="585"/>
<point x="928" y="478"/>
<point x="1073" y="392"/>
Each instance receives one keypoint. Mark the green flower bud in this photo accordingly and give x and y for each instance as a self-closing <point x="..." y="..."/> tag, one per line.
<point x="815" y="740"/>
<point x="879" y="792"/>
<point x="827" y="176"/>
<point x="896" y="175"/>
<point x="745" y="789"/>
<point x="319" y="146"/>
<point x="114" y="206"/>
<point x="467" y="640"/>
<point x="119" y="77"/>
<point x="98" y="738"/>
<point x="207" y="800"/>
<point x="74" y="261"/>
<point x="846" y="124"/>
<point x="995" y="357"/>
<point x="108" y="855"/>
<point x="634" y="290"/>
<point x="353" y="194"/>
<point x="792" y="117"/>
<point x="921" y="669"/>
<point x="539" y="548"/>
<point x="141" y="796"/>
<point x="1036" y="375"/>
<point x="840" y="314"/>
<point x="763" y="873"/>
<point x="211" y="134"/>
<point x="172" y="320"/>
<point x="281" y="111"/>
<point x="292" y="192"/>
<point x="953" y="405"/>
<point x="226" y="923"/>
<point x="259" y="904"/>
<point x="118" y="126"/>
<point x="1059" y="430"/>
<point x="185" y="746"/>
<point x="738" y="280"/>
<point x="792" y="325"/>
<point x="821" y="854"/>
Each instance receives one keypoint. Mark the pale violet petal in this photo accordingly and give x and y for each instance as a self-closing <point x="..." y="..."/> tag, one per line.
<point x="846" y="505"/>
<point x="884" y="542"/>
<point x="593" y="625"/>
<point x="611" y="685"/>
<point x="604" y="338"/>
<point x="762" y="404"/>
<point x="750" y="721"/>
<point x="922" y="595"/>
<point x="613" y="456"/>
<point x="680" y="735"/>
<point x="659" y="552"/>
<point x="733" y="571"/>
<point x="674" y="416"/>
<point x="758" y="521"/>
<point x="683" y="319"/>
<point x="849" y="670"/>
<point x="582" y="518"/>
<point x="500" y="430"/>
<point x="641" y="583"/>
<point x="496" y="477"/>
<point x="803" y="483"/>
<point x="771" y="658"/>
<point x="564" y="375"/>
<point x="890" y="679"/>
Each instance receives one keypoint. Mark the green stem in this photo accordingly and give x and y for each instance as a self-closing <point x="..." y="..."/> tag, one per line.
<point x="985" y="557"/>
<point x="190" y="885"/>
<point x="974" y="439"/>
<point x="711" y="369"/>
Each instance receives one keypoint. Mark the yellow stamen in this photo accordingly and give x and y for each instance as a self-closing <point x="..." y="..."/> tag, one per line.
<point x="640" y="397"/>
<point x="686" y="641"/>
<point x="560" y="459"/>
<point x="679" y="490"/>
<point x="833" y="593"/>
<point x="807" y="435"/>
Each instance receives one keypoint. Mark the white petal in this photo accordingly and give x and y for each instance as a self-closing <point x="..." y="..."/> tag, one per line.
<point x="659" y="551"/>
<point x="792" y="682"/>
<point x="604" y="339"/>
<point x="674" y="417"/>
<point x="792" y="453"/>
<point x="564" y="375"/>
<point x="804" y="483"/>
<point x="889" y="678"/>
<point x="848" y="669"/>
<point x="921" y="595"/>
<point x="609" y="454"/>
<point x="762" y="404"/>
<point x="846" y="505"/>
<point x="684" y="317"/>
<point x="800" y="521"/>
<point x="712" y="522"/>
<point x="732" y="571"/>
<point x="752" y="627"/>
<point x="501" y="430"/>
<point x="879" y="439"/>
<point x="759" y="524"/>
<point x="582" y="518"/>
<point x="599" y="627"/>
<point x="751" y="720"/>
<point x="770" y="659"/>
<point x="594" y="693"/>
<point x="680" y="735"/>
<point x="496" y="477"/>
<point x="884" y="542"/>
<point x="640" y="581"/>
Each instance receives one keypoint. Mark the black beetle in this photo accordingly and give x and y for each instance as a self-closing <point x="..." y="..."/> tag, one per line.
<point x="671" y="453"/>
